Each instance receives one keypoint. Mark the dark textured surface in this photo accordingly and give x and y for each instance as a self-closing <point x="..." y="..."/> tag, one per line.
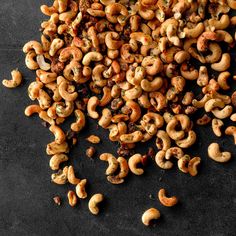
<point x="208" y="201"/>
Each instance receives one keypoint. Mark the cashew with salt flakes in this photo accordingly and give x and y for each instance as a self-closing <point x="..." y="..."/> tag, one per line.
<point x="182" y="162"/>
<point x="215" y="154"/>
<point x="56" y="160"/>
<point x="166" y="201"/>
<point x="192" y="166"/>
<point x="216" y="125"/>
<point x="60" y="136"/>
<point x="223" y="64"/>
<point x="231" y="130"/>
<point x="71" y="176"/>
<point x="133" y="162"/>
<point x="80" y="189"/>
<point x="112" y="163"/>
<point x="72" y="199"/>
<point x="149" y="215"/>
<point x="161" y="161"/>
<point x="64" y="109"/>
<point x="15" y="81"/>
<point x="93" y="102"/>
<point x="93" y="202"/>
<point x="60" y="177"/>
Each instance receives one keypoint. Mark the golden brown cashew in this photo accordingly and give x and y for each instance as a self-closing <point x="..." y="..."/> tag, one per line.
<point x="215" y="154"/>
<point x="174" y="152"/>
<point x="135" y="110"/>
<point x="203" y="77"/>
<point x="182" y="163"/>
<point x="64" y="109"/>
<point x="93" y="102"/>
<point x="181" y="56"/>
<point x="55" y="46"/>
<point x="60" y="177"/>
<point x="46" y="77"/>
<point x="91" y="56"/>
<point x="163" y="141"/>
<point x="221" y="24"/>
<point x="70" y="52"/>
<point x="213" y="103"/>
<point x="63" y="91"/>
<point x="56" y="160"/>
<point x="161" y="161"/>
<point x="223" y="64"/>
<point x="188" y="141"/>
<point x="153" y="65"/>
<point x="172" y="132"/>
<point x="60" y="136"/>
<point x="112" y="163"/>
<point x="232" y="4"/>
<point x="105" y="119"/>
<point x="32" y="109"/>
<point x="30" y="62"/>
<point x="36" y="46"/>
<point x="15" y="81"/>
<point x="114" y="9"/>
<point x="133" y="162"/>
<point x="166" y="201"/>
<point x="80" y="121"/>
<point x="93" y="202"/>
<point x="111" y="40"/>
<point x="55" y="148"/>
<point x="223" y="113"/>
<point x="71" y="176"/>
<point x="231" y="130"/>
<point x="141" y="37"/>
<point x="44" y="99"/>
<point x="134" y="137"/>
<point x="72" y="199"/>
<point x="80" y="189"/>
<point x="152" y="86"/>
<point x="216" y="125"/>
<point x="42" y="64"/>
<point x="192" y="166"/>
<point x="222" y="80"/>
<point x="149" y="215"/>
<point x="233" y="117"/>
<point x="194" y="32"/>
<point x="203" y="40"/>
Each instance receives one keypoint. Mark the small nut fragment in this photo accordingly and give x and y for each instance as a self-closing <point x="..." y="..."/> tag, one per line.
<point x="166" y="201"/>
<point x="90" y="152"/>
<point x="93" y="202"/>
<point x="93" y="139"/>
<point x="149" y="215"/>
<point x="57" y="200"/>
<point x="72" y="199"/>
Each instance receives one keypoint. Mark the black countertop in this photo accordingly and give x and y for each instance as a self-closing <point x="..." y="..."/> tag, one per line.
<point x="207" y="202"/>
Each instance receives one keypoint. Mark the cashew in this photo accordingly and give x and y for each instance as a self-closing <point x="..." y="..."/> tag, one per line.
<point x="213" y="103"/>
<point x="175" y="152"/>
<point x="42" y="64"/>
<point x="60" y="177"/>
<point x="36" y="46"/>
<point x="71" y="176"/>
<point x="15" y="81"/>
<point x="163" y="141"/>
<point x="93" y="102"/>
<point x="166" y="201"/>
<point x="188" y="141"/>
<point x="231" y="130"/>
<point x="216" y="125"/>
<point x="91" y="56"/>
<point x="182" y="163"/>
<point x="65" y="109"/>
<point x="63" y="91"/>
<point x="149" y="215"/>
<point x="133" y="161"/>
<point x="192" y="165"/>
<point x="30" y="62"/>
<point x="223" y="64"/>
<point x="80" y="121"/>
<point x="72" y="199"/>
<point x="161" y="161"/>
<point x="80" y="189"/>
<point x="153" y="85"/>
<point x="215" y="154"/>
<point x="223" y="113"/>
<point x="112" y="163"/>
<point x="222" y="80"/>
<point x="134" y="137"/>
<point x="93" y="202"/>
<point x="105" y="119"/>
<point x="56" y="160"/>
<point x="55" y="148"/>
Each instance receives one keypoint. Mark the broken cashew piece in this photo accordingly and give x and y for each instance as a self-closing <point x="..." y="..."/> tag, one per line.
<point x="72" y="199"/>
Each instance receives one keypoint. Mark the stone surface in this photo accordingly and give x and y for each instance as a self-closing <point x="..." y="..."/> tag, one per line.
<point x="207" y="202"/>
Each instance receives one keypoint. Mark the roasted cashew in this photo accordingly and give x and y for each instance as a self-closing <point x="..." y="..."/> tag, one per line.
<point x="223" y="113"/>
<point x="166" y="201"/>
<point x="105" y="119"/>
<point x="149" y="215"/>
<point x="216" y="125"/>
<point x="72" y="199"/>
<point x="71" y="176"/>
<point x="134" y="137"/>
<point x="42" y="64"/>
<point x="192" y="166"/>
<point x="163" y="141"/>
<point x="132" y="163"/>
<point x="231" y="130"/>
<point x="182" y="163"/>
<point x="223" y="64"/>
<point x="161" y="161"/>
<point x="64" y="109"/>
<point x="188" y="141"/>
<point x="15" y="81"/>
<point x="55" y="46"/>
<point x="80" y="121"/>
<point x="30" y="61"/>
<point x="91" y="56"/>
<point x="152" y="86"/>
<point x="135" y="110"/>
<point x="174" y="152"/>
<point x="33" y="45"/>
<point x="60" y="177"/>
<point x="213" y="103"/>
<point x="112" y="163"/>
<point x="60" y="136"/>
<point x="215" y="154"/>
<point x="56" y="160"/>
<point x="93" y="202"/>
<point x="93" y="102"/>
<point x="222" y="80"/>
<point x="55" y="148"/>
<point x="80" y="189"/>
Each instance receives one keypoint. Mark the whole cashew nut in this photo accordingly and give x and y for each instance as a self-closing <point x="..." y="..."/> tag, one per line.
<point x="93" y="202"/>
<point x="56" y="160"/>
<point x="15" y="81"/>
<point x="149" y="215"/>
<point x="112" y="163"/>
<point x="215" y="154"/>
<point x="166" y="201"/>
<point x="80" y="189"/>
<point x="133" y="161"/>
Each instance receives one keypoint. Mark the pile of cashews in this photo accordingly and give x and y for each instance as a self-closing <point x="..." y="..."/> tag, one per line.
<point x="137" y="59"/>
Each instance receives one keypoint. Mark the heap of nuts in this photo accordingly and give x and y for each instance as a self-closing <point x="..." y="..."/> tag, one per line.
<point x="137" y="62"/>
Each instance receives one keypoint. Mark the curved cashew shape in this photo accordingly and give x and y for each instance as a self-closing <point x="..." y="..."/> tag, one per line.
<point x="60" y="177"/>
<point x="55" y="148"/>
<point x="223" y="113"/>
<point x="141" y="37"/>
<point x="170" y="129"/>
<point x="133" y="162"/>
<point x="32" y="109"/>
<point x="135" y="110"/>
<point x="112" y="42"/>
<point x="56" y="160"/>
<point x="231" y="130"/>
<point x="182" y="163"/>
<point x="152" y="86"/>
<point x="192" y="166"/>
<point x="42" y="64"/>
<point x="71" y="176"/>
<point x="70" y="52"/>
<point x="134" y="137"/>
<point x="55" y="46"/>
<point x="213" y="103"/>
<point x="105" y="119"/>
<point x="64" y="110"/>
<point x="216" y="125"/>
<point x="222" y="80"/>
<point x="80" y="121"/>
<point x="215" y="154"/>
<point x="188" y="141"/>
<point x="93" y="102"/>
<point x="80" y="189"/>
<point x="153" y="65"/>
<point x="63" y="91"/>
<point x="223" y="64"/>
<point x="161" y="161"/>
<point x="166" y="201"/>
<point x="93" y="202"/>
<point x="149" y="215"/>
<point x="174" y="152"/>
<point x="112" y="163"/>
<point x="15" y="81"/>
<point x="60" y="136"/>
<point x="203" y="40"/>
<point x="30" y="62"/>
<point x="91" y="56"/>
<point x="72" y="199"/>
<point x="114" y="9"/>
<point x="33" y="45"/>
<point x="163" y="141"/>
